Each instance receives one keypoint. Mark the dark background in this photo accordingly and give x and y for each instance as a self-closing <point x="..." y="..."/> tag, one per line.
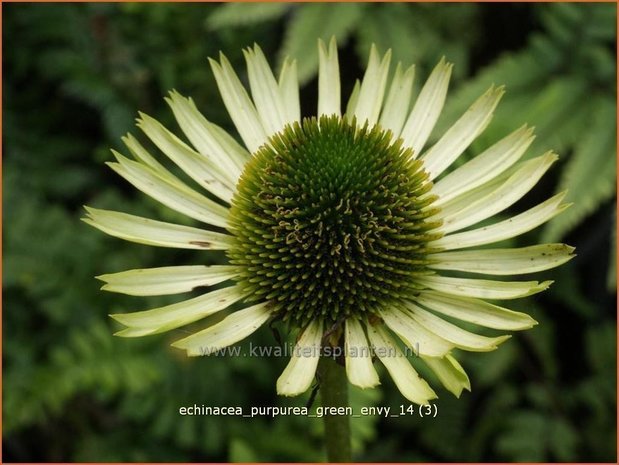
<point x="75" y="76"/>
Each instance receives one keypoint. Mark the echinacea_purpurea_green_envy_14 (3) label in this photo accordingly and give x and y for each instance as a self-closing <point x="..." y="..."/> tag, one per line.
<point x="343" y="226"/>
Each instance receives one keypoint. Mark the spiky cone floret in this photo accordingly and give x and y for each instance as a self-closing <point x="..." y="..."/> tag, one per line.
<point x="342" y="225"/>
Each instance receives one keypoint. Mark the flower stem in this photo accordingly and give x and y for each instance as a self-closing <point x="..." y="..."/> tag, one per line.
<point x="334" y="393"/>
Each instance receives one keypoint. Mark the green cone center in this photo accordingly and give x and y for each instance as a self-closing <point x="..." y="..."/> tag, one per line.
<point x="330" y="221"/>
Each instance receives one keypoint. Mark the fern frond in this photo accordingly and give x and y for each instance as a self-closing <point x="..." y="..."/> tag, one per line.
<point x="590" y="173"/>
<point x="88" y="361"/>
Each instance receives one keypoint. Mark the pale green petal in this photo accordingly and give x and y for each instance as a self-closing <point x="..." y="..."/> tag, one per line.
<point x="239" y="105"/>
<point x="462" y="133"/>
<point x="352" y="101"/>
<point x="176" y="315"/>
<point x="230" y="145"/>
<point x="461" y="338"/>
<point x="456" y="204"/>
<point x="196" y="166"/>
<point x="427" y="108"/>
<point x="450" y="373"/>
<point x="142" y="155"/>
<point x="289" y="89"/>
<point x="463" y="201"/>
<point x="204" y="137"/>
<point x="475" y="311"/>
<point x="182" y="199"/>
<point x="158" y="233"/>
<point x="506" y="229"/>
<point x="372" y="89"/>
<point x="484" y="167"/>
<point x="512" y="190"/>
<point x="408" y="381"/>
<point x="166" y="280"/>
<point x="483" y="288"/>
<point x="398" y="100"/>
<point x="504" y="261"/>
<point x="329" y="99"/>
<point x="359" y="367"/>
<point x="416" y="337"/>
<point x="232" y="329"/>
<point x="265" y="91"/>
<point x="298" y="375"/>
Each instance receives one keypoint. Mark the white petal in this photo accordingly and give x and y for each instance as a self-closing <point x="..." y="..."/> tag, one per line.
<point x="289" y="89"/>
<point x="427" y="108"/>
<point x="372" y="89"/>
<point x="459" y="337"/>
<point x="166" y="280"/>
<point x="504" y="261"/>
<point x="506" y="229"/>
<point x="235" y="327"/>
<point x="300" y="371"/>
<point x="172" y="195"/>
<point x="239" y="105"/>
<point x="176" y="315"/>
<point x="329" y="99"/>
<point x="450" y="373"/>
<point x="398" y="100"/>
<point x="416" y="337"/>
<point x="408" y="381"/>
<point x="359" y="367"/>
<point x="196" y="166"/>
<point x="484" y="167"/>
<point x="462" y="133"/>
<point x="512" y="190"/>
<point x="475" y="311"/>
<point x="158" y="233"/>
<point x="203" y="135"/>
<point x="483" y="288"/>
<point x="265" y="91"/>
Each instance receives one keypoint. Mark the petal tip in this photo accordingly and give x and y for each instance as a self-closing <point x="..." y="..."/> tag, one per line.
<point x="117" y="317"/>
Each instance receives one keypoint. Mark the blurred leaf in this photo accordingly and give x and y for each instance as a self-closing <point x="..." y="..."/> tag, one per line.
<point x="503" y="398"/>
<point x="542" y="339"/>
<point x="363" y="428"/>
<point x="568" y="292"/>
<point x="313" y="21"/>
<point x="241" y="451"/>
<point x="601" y="345"/>
<point x="489" y="368"/>
<point x="446" y="436"/>
<point x="563" y="440"/>
<point x="242" y="14"/>
<point x="525" y="438"/>
<point x="419" y="34"/>
<point x="389" y="26"/>
<point x="534" y="437"/>
<point x="611" y="279"/>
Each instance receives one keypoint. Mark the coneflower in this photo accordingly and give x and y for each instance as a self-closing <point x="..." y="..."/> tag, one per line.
<point x="343" y="225"/>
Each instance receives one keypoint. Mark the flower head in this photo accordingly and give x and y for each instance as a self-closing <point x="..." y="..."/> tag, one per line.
<point x="342" y="225"/>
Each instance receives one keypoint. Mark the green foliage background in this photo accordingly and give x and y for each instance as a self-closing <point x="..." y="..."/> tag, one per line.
<point x="74" y="77"/>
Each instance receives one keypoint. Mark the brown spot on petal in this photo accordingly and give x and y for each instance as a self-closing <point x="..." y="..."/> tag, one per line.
<point x="204" y="244"/>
